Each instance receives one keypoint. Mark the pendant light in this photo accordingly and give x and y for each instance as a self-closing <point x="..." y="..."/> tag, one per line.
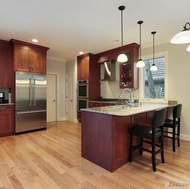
<point x="182" y="37"/>
<point x="122" y="57"/>
<point x="140" y="63"/>
<point x="153" y="67"/>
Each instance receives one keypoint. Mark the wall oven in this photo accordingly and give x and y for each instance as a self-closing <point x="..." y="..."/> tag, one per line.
<point x="82" y="94"/>
<point x="82" y="89"/>
<point x="82" y="103"/>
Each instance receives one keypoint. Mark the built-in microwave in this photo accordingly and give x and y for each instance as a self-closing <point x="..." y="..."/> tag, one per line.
<point x="82" y="89"/>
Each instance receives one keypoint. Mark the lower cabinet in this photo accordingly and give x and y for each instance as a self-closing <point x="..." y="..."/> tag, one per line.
<point x="6" y="120"/>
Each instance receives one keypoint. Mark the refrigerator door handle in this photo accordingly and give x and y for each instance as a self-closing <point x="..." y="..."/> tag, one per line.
<point x="30" y="92"/>
<point x="34" y="92"/>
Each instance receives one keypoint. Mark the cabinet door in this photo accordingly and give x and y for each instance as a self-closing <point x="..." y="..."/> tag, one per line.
<point x="83" y="68"/>
<point x="6" y="120"/>
<point x="129" y="71"/>
<point x="29" y="57"/>
<point x="37" y="61"/>
<point x="5" y="65"/>
<point x="21" y="58"/>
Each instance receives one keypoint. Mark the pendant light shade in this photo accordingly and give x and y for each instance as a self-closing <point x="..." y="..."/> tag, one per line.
<point x="182" y="37"/>
<point x="153" y="67"/>
<point x="122" y="57"/>
<point x="140" y="62"/>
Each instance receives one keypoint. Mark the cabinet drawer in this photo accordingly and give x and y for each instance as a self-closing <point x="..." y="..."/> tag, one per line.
<point x="6" y="120"/>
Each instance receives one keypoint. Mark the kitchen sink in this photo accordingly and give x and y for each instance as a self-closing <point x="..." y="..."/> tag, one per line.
<point x="122" y="106"/>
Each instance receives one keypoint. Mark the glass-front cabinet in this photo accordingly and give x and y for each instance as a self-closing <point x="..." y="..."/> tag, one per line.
<point x="128" y="70"/>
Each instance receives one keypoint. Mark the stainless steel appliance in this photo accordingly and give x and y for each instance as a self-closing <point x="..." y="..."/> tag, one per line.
<point x="82" y="89"/>
<point x="82" y="103"/>
<point x="2" y="95"/>
<point x="82" y="94"/>
<point x="30" y="101"/>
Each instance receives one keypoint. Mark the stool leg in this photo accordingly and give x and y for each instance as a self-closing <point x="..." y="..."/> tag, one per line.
<point x="141" y="147"/>
<point x="153" y="154"/>
<point x="178" y="134"/>
<point x="130" y="148"/>
<point x="173" y="138"/>
<point x="162" y="147"/>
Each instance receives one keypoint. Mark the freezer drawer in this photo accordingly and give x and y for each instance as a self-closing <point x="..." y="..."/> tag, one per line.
<point x="30" y="120"/>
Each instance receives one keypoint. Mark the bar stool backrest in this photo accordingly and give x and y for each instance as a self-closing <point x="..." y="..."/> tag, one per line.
<point x="159" y="117"/>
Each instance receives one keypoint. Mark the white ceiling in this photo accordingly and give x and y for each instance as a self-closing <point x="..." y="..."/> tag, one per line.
<point x="70" y="26"/>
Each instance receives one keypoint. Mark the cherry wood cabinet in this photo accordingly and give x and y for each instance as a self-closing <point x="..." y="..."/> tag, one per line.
<point x="29" y="57"/>
<point x="6" y="120"/>
<point x="89" y="70"/>
<point x="83" y="67"/>
<point x="5" y="65"/>
<point x="105" y="137"/>
<point x="128" y="70"/>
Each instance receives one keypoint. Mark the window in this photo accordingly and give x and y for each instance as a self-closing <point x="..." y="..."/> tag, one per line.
<point x="154" y="84"/>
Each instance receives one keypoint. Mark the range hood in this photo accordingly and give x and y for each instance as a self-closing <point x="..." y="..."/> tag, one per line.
<point x="108" y="70"/>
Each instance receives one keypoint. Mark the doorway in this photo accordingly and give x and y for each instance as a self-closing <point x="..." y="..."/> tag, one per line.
<point x="70" y="97"/>
<point x="51" y="97"/>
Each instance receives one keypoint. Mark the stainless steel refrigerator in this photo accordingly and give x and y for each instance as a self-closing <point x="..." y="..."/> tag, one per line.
<point x="30" y="101"/>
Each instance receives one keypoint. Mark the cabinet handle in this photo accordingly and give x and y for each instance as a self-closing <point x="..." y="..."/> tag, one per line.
<point x="31" y="67"/>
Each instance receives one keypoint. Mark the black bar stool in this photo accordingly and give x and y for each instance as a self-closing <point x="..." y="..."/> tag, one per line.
<point x="174" y="125"/>
<point x="153" y="133"/>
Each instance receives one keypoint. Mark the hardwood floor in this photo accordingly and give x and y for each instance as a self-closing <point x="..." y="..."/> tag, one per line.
<point x="51" y="159"/>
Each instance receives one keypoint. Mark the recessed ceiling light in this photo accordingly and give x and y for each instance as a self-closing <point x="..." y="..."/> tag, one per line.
<point x="35" y="40"/>
<point x="81" y="52"/>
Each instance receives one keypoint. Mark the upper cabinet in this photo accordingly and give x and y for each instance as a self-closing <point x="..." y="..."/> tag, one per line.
<point x="5" y="64"/>
<point x="128" y="70"/>
<point x="29" y="57"/>
<point x="88" y="69"/>
<point x="83" y="63"/>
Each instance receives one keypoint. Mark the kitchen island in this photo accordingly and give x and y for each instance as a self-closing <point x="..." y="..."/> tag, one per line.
<point x="105" y="138"/>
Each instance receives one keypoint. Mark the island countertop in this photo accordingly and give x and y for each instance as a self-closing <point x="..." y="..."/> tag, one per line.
<point x="121" y="110"/>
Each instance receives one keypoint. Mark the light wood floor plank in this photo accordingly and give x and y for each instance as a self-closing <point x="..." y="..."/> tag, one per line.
<point x="51" y="159"/>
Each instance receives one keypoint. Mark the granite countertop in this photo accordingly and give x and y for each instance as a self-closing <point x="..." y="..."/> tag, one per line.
<point x="120" y="110"/>
<point x="112" y="100"/>
<point x="6" y="104"/>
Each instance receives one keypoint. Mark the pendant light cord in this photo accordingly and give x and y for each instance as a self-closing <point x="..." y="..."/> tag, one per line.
<point x="153" y="33"/>
<point x="121" y="8"/>
<point x="122" y="28"/>
<point x="140" y="23"/>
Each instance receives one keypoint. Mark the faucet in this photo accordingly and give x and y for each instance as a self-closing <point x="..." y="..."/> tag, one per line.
<point x="130" y="98"/>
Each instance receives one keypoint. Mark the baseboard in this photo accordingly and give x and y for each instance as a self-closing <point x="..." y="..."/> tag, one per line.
<point x="185" y="137"/>
<point x="61" y="119"/>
